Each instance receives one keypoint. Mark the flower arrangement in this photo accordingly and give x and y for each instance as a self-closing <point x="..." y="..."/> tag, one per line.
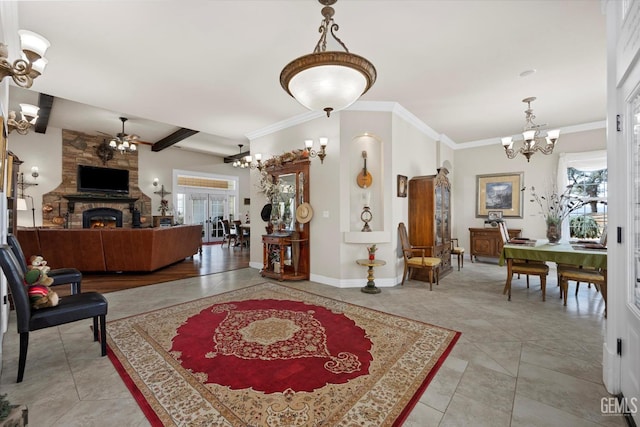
<point x="269" y="187"/>
<point x="164" y="207"/>
<point x="556" y="207"/>
<point x="372" y="251"/>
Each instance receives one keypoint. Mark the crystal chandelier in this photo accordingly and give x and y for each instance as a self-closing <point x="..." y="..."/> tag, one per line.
<point x="328" y="80"/>
<point x="533" y="140"/>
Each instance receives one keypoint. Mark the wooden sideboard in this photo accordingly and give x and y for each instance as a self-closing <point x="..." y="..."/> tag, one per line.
<point x="486" y="242"/>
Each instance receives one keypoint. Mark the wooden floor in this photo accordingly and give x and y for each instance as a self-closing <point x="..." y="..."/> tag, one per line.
<point x="214" y="259"/>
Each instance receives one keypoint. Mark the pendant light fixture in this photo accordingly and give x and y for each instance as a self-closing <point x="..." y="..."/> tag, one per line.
<point x="328" y="80"/>
<point x="533" y="140"/>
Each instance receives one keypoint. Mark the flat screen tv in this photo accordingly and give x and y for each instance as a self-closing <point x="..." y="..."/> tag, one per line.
<point x="94" y="179"/>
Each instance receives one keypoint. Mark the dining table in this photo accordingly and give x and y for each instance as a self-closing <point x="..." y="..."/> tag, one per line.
<point x="579" y="254"/>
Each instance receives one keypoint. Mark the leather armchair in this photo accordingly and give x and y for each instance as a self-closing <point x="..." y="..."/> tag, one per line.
<point x="70" y="309"/>
<point x="60" y="276"/>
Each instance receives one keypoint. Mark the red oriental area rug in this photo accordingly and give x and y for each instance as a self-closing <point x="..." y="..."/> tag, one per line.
<point x="270" y="355"/>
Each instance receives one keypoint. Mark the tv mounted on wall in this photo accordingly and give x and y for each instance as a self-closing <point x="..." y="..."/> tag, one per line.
<point x="103" y="180"/>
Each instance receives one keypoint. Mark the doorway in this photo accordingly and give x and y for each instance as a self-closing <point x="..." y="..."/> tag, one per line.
<point x="208" y="210"/>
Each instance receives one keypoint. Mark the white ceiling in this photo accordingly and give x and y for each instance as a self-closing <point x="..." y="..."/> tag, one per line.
<point x="214" y="66"/>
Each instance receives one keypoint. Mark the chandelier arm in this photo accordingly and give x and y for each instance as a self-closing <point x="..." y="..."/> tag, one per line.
<point x="20" y="71"/>
<point x="22" y="126"/>
<point x="542" y="146"/>
<point x="321" y="46"/>
<point x="334" y="28"/>
<point x="511" y="153"/>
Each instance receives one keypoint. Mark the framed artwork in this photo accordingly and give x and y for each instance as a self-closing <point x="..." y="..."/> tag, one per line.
<point x="3" y="153"/>
<point x="402" y="186"/>
<point x="499" y="194"/>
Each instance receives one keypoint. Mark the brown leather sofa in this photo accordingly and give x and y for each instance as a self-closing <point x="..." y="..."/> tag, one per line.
<point x="112" y="249"/>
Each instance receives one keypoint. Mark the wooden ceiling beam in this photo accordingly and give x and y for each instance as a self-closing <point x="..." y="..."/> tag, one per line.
<point x="45" y="102"/>
<point x="177" y="136"/>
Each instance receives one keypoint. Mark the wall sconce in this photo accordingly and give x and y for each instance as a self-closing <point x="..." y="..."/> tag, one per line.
<point x="308" y="147"/>
<point x="258" y="161"/>
<point x="35" y="172"/>
<point x="155" y="182"/>
<point x="23" y="71"/>
<point x="29" y="116"/>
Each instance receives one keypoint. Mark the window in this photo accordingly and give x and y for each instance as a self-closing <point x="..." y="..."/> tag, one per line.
<point x="587" y="172"/>
<point x="590" y="221"/>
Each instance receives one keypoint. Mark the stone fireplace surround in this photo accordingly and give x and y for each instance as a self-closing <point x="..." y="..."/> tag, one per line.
<point x="80" y="148"/>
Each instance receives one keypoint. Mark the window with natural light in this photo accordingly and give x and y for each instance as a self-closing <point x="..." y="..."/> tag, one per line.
<point x="590" y="221"/>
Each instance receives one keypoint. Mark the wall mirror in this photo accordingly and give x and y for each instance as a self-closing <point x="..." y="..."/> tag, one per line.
<point x="294" y="190"/>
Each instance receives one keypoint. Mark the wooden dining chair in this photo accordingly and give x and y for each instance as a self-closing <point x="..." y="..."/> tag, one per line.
<point x="603" y="243"/>
<point x="414" y="258"/>
<point x="589" y="275"/>
<point x="457" y="250"/>
<point x="227" y="234"/>
<point x="522" y="266"/>
<point x="242" y="237"/>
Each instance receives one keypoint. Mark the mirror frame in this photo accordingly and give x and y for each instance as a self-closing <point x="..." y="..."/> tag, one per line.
<point x="300" y="169"/>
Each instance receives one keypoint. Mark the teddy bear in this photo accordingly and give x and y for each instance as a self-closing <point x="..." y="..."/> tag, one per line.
<point x="40" y="294"/>
<point x="38" y="262"/>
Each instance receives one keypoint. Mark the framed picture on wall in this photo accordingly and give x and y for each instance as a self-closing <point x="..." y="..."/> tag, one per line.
<point x="3" y="153"/>
<point x="499" y="194"/>
<point x="402" y="186"/>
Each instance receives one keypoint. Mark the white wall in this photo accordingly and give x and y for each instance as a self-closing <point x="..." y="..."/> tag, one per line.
<point x="336" y="241"/>
<point x="539" y="172"/>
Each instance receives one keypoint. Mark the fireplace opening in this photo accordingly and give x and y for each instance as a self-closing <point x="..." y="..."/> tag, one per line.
<point x="102" y="218"/>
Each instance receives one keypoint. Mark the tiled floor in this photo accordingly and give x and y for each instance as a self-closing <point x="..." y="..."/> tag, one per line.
<point x="519" y="363"/>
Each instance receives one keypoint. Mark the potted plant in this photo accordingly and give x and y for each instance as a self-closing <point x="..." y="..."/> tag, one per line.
<point x="372" y="251"/>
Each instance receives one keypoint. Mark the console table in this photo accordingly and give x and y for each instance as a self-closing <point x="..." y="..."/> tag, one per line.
<point x="286" y="248"/>
<point x="487" y="242"/>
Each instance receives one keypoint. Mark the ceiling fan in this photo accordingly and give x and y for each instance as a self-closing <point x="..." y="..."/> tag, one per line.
<point x="123" y="142"/>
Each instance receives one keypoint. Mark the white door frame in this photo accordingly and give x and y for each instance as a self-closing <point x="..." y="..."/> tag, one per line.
<point x="621" y="350"/>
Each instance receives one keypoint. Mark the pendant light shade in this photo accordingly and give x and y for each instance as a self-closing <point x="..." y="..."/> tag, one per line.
<point x="328" y="80"/>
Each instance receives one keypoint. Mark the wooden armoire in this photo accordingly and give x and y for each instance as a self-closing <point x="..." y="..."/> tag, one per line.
<point x="430" y="217"/>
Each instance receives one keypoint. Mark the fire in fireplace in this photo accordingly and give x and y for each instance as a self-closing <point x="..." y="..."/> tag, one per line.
<point x="101" y="218"/>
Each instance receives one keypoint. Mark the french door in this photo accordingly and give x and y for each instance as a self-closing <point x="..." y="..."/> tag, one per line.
<point x="208" y="210"/>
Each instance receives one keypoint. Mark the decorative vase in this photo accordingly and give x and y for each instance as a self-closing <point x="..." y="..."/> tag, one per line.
<point x="554" y="231"/>
<point x="372" y="256"/>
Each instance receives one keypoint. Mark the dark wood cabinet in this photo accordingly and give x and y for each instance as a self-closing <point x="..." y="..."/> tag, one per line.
<point x="487" y="242"/>
<point x="430" y="217"/>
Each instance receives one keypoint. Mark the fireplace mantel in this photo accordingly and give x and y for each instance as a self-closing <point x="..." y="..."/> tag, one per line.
<point x="73" y="198"/>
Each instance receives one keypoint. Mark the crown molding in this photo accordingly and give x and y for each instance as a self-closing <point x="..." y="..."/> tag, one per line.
<point x="400" y="111"/>
<point x="563" y="131"/>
